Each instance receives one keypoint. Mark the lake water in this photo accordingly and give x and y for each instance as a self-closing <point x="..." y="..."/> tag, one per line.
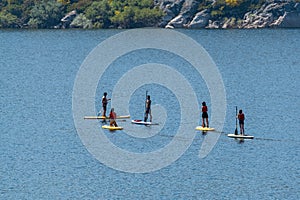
<point x="42" y="155"/>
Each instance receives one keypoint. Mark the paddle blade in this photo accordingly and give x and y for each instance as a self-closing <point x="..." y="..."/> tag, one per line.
<point x="236" y="131"/>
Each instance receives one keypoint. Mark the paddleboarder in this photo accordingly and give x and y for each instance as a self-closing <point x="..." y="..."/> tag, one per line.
<point x="241" y="118"/>
<point x="104" y="104"/>
<point x="112" y="118"/>
<point x="204" y="115"/>
<point x="148" y="109"/>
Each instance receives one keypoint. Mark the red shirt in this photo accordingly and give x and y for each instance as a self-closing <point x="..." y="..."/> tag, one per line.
<point x="112" y="115"/>
<point x="241" y="116"/>
<point x="204" y="108"/>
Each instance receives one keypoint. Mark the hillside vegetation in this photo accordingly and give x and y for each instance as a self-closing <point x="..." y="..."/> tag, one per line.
<point x="149" y="13"/>
<point x="95" y="14"/>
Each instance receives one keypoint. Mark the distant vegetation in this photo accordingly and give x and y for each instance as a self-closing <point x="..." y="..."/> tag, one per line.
<point x="108" y="13"/>
<point x="96" y="14"/>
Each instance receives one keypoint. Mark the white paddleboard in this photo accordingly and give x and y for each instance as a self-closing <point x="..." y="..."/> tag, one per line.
<point x="141" y="122"/>
<point x="200" y="128"/>
<point x="240" y="136"/>
<point x="112" y="128"/>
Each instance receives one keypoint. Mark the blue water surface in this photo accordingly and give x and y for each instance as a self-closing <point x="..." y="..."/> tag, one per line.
<point x="42" y="156"/>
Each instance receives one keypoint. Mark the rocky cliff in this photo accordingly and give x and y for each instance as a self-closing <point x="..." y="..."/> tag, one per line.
<point x="229" y="14"/>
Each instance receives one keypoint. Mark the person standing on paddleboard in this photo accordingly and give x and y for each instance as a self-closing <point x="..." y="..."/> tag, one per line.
<point x="204" y="115"/>
<point x="241" y="118"/>
<point x="148" y="109"/>
<point x="104" y="104"/>
<point x="112" y="118"/>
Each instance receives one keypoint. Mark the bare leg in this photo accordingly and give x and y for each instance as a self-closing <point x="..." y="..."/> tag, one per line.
<point x="207" y="122"/>
<point x="203" y="123"/>
<point x="104" y="111"/>
<point x="113" y="123"/>
<point x="242" y="129"/>
<point x="104" y="114"/>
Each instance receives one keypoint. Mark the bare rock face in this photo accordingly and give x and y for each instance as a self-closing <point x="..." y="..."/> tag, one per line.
<point x="200" y="20"/>
<point x="270" y="15"/>
<point x="213" y="24"/>
<point x="289" y="19"/>
<point x="171" y="9"/>
<point x="178" y="22"/>
<point x="178" y="13"/>
<point x="186" y="14"/>
<point x="67" y="20"/>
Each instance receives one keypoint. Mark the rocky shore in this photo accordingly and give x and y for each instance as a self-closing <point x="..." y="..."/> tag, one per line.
<point x="186" y="14"/>
<point x="191" y="14"/>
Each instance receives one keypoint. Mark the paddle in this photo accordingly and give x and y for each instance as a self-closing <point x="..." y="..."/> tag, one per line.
<point x="236" y="131"/>
<point x="146" y="96"/>
<point x="145" y="115"/>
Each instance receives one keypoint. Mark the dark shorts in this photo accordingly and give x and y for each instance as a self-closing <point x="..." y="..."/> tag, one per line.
<point x="241" y="121"/>
<point x="204" y="115"/>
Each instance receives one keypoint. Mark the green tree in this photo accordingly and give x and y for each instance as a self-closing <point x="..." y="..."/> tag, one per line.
<point x="135" y="13"/>
<point x="79" y="5"/>
<point x="148" y="17"/>
<point x="7" y="20"/>
<point x="81" y="21"/>
<point x="123" y="19"/>
<point x="99" y="13"/>
<point x="14" y="9"/>
<point x="46" y="14"/>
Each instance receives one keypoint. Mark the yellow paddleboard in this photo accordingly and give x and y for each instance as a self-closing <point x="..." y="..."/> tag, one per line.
<point x="112" y="128"/>
<point x="101" y="117"/>
<point x="200" y="128"/>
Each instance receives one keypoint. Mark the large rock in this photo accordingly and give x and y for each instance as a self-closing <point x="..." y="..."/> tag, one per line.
<point x="67" y="20"/>
<point x="200" y="20"/>
<point x="229" y="23"/>
<point x="178" y="13"/>
<point x="171" y="8"/>
<point x="169" y="15"/>
<point x="284" y="14"/>
<point x="177" y="22"/>
<point x="264" y="16"/>
<point x="213" y="24"/>
<point x="290" y="19"/>
<point x="190" y="8"/>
